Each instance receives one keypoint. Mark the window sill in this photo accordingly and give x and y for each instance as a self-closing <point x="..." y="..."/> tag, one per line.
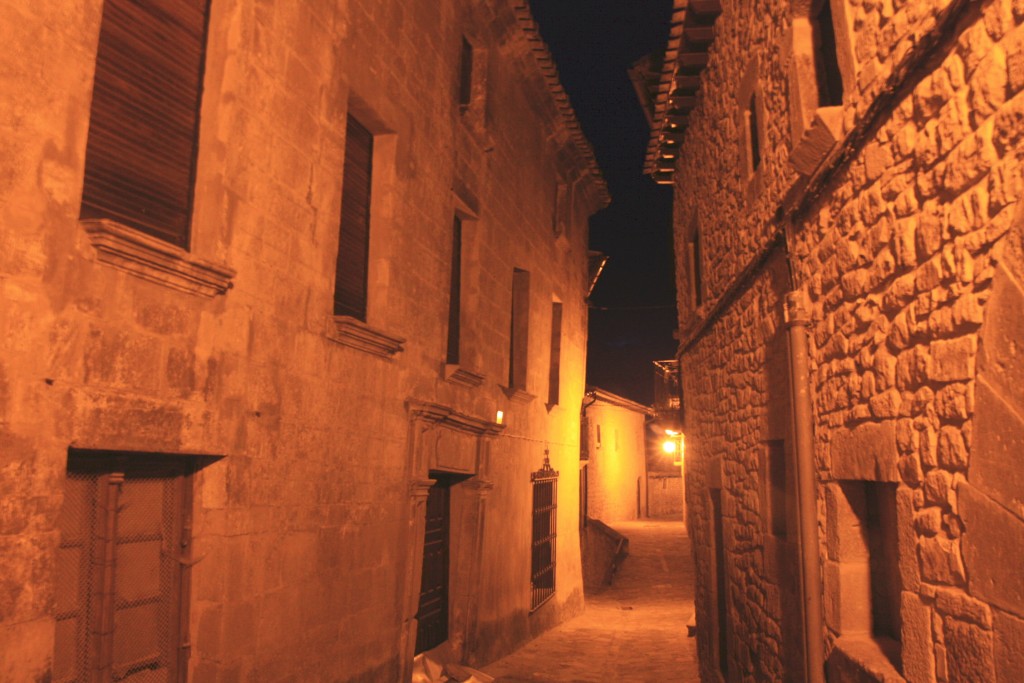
<point x="818" y="141"/>
<point x="518" y="394"/>
<point x="356" y="334"/>
<point x="155" y="260"/>
<point x="861" y="655"/>
<point x="457" y="374"/>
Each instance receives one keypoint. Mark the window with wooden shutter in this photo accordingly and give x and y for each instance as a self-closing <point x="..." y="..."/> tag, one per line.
<point x="143" y="126"/>
<point x="354" y="243"/>
<point x="466" y="74"/>
<point x="520" y="329"/>
<point x="120" y="598"/>
<point x="555" y="363"/>
<point x="455" y="294"/>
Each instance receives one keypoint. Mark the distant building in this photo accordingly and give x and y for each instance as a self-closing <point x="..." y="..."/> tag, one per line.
<point x="850" y="250"/>
<point x="616" y="457"/>
<point x="293" y="338"/>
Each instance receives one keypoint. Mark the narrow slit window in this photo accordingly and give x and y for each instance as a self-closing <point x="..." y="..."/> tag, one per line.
<point x="554" y="372"/>
<point x="455" y="294"/>
<point x="696" y="275"/>
<point x="519" y="333"/>
<point x="144" y="118"/>
<point x="466" y="74"/>
<point x="753" y="135"/>
<point x="826" y="60"/>
<point x="350" y="285"/>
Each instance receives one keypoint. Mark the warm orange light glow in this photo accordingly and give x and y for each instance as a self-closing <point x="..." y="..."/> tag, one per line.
<point x="669" y="446"/>
<point x="500" y="417"/>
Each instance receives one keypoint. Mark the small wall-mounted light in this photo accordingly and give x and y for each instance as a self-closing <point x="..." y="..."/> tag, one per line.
<point x="669" y="446"/>
<point x="500" y="417"/>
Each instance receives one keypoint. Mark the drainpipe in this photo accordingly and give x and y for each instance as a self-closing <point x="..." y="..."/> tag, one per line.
<point x="798" y="319"/>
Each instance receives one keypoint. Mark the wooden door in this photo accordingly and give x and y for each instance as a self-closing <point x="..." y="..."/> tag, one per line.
<point x="432" y="616"/>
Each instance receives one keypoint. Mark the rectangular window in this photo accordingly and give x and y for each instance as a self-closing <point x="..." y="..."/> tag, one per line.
<point x="542" y="561"/>
<point x="350" y="283"/>
<point x="121" y="601"/>
<point x="144" y="118"/>
<point x="869" y="547"/>
<point x="466" y="74"/>
<point x="519" y="335"/>
<point x="562" y="209"/>
<point x="554" y="373"/>
<point x="753" y="134"/>
<point x="826" y="62"/>
<point x="455" y="294"/>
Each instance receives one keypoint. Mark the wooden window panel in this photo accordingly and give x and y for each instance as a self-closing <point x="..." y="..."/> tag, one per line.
<point x="354" y="242"/>
<point x="455" y="294"/>
<point x="754" y="134"/>
<point x="466" y="74"/>
<point x="519" y="335"/>
<point x="143" y="126"/>
<point x="555" y="370"/>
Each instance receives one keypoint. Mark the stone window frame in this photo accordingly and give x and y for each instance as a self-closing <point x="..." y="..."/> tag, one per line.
<point x="865" y="460"/>
<point x="541" y="537"/>
<point x="695" y="264"/>
<point x="183" y="266"/>
<point x="520" y="311"/>
<point x="113" y="471"/>
<point x="472" y="111"/>
<point x="465" y="209"/>
<point x="816" y="130"/>
<point x="367" y="335"/>
<point x="750" y="110"/>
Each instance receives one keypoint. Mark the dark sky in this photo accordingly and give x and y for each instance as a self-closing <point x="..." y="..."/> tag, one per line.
<point x="633" y="306"/>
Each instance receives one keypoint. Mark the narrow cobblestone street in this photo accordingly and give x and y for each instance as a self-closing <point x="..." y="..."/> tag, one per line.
<point x="633" y="631"/>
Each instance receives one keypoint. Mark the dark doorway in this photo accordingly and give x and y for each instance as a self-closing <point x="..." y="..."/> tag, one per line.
<point x="432" y="616"/>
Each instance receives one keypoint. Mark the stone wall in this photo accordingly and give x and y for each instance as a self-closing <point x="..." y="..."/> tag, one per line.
<point x="897" y="232"/>
<point x="308" y="514"/>
<point x="665" y="495"/>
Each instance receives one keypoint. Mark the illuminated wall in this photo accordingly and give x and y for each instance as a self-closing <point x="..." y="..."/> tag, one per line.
<point x="616" y="469"/>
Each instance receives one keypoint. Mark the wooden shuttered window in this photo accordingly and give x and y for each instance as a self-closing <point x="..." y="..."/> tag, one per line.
<point x="143" y="126"/>
<point x="354" y="243"/>
<point x="519" y="333"/>
<point x="455" y="294"/>
<point x="555" y="364"/>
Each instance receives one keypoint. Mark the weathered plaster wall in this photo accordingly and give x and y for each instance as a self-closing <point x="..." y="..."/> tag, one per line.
<point x="616" y="470"/>
<point x="902" y="251"/>
<point x="303" y="530"/>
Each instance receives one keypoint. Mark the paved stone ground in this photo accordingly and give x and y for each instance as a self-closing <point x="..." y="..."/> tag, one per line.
<point x="631" y="632"/>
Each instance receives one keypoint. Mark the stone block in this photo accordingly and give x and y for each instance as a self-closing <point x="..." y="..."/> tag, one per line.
<point x="996" y="467"/>
<point x="953" y="359"/>
<point x="1008" y="650"/>
<point x="968" y="652"/>
<point x="935" y="555"/>
<point x="938" y="488"/>
<point x="952" y="452"/>
<point x="1001" y="354"/>
<point x="918" y="650"/>
<point x="867" y="452"/>
<point x="953" y="602"/>
<point x="993" y="549"/>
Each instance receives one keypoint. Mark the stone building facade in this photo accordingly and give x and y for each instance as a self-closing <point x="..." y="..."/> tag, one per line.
<point x="849" y="173"/>
<point x="221" y="464"/>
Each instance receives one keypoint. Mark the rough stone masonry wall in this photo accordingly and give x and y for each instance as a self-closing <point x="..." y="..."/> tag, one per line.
<point x="302" y="530"/>
<point x="906" y="259"/>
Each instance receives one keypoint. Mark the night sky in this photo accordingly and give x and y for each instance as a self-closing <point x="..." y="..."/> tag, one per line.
<point x="632" y="315"/>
